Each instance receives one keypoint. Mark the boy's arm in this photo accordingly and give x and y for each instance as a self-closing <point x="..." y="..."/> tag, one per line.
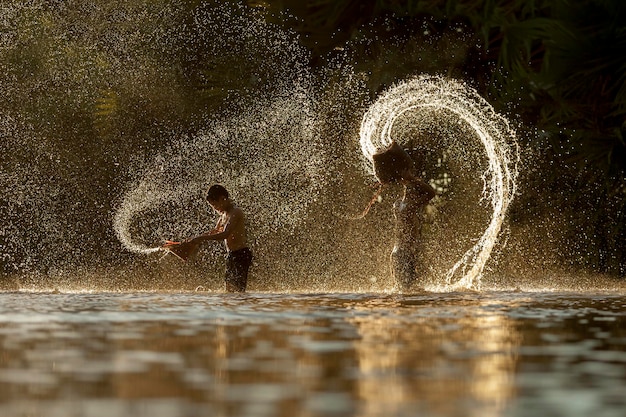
<point x="427" y="189"/>
<point x="226" y="229"/>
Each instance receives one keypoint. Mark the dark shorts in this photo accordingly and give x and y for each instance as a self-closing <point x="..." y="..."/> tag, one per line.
<point x="237" y="266"/>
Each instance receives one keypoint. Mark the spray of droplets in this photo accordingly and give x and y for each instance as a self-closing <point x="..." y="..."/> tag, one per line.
<point x="491" y="129"/>
<point x="268" y="136"/>
<point x="264" y="150"/>
<point x="267" y="157"/>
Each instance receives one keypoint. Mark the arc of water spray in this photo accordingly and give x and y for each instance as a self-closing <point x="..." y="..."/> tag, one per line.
<point x="144" y="197"/>
<point x="494" y="132"/>
<point x="262" y="153"/>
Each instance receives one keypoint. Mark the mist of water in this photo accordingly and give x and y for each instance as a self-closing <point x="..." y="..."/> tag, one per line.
<point x="379" y="128"/>
<point x="280" y="141"/>
<point x="266" y="156"/>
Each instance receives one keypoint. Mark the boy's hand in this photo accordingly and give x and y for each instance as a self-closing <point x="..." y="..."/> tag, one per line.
<point x="170" y="243"/>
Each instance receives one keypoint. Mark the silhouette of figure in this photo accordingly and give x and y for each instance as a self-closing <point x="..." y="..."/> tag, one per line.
<point x="394" y="165"/>
<point x="409" y="215"/>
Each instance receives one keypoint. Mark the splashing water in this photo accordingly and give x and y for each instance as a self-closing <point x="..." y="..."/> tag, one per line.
<point x="265" y="152"/>
<point x="498" y="141"/>
<point x="267" y="156"/>
<point x="267" y="134"/>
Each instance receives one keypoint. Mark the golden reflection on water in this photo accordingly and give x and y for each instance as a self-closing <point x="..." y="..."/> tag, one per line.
<point x="429" y="361"/>
<point x="311" y="355"/>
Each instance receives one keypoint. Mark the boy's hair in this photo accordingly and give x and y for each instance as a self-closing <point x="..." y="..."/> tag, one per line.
<point x="215" y="192"/>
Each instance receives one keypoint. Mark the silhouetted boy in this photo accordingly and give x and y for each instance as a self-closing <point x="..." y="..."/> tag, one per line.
<point x="230" y="228"/>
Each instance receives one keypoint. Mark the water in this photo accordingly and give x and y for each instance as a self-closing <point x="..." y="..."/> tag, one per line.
<point x="99" y="199"/>
<point x="451" y="102"/>
<point x="273" y="158"/>
<point x="148" y="103"/>
<point x="187" y="354"/>
<point x="162" y="101"/>
<point x="268" y="157"/>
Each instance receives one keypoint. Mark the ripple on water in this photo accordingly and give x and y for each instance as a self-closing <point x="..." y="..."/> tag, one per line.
<point x="315" y="354"/>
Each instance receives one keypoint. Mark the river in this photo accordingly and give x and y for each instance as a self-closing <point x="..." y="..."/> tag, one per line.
<point x="296" y="354"/>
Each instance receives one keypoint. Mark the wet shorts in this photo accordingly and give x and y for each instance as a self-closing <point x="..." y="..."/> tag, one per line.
<point x="237" y="266"/>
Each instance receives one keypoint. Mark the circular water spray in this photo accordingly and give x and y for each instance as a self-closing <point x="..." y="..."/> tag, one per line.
<point x="262" y="146"/>
<point x="267" y="157"/>
<point x="498" y="142"/>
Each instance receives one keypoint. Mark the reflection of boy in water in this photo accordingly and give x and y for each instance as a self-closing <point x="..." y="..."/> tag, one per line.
<point x="409" y="215"/>
<point x="231" y="228"/>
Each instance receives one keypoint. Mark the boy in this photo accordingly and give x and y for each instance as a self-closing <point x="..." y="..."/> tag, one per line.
<point x="409" y="215"/>
<point x="394" y="165"/>
<point x="231" y="228"/>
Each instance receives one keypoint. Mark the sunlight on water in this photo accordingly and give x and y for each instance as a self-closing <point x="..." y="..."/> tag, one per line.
<point x="437" y="355"/>
<point x="497" y="139"/>
<point x="265" y="150"/>
<point x="162" y="101"/>
<point x="109" y="161"/>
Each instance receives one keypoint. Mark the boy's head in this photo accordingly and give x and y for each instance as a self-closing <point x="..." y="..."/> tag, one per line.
<point x="217" y="196"/>
<point x="393" y="164"/>
<point x="215" y="192"/>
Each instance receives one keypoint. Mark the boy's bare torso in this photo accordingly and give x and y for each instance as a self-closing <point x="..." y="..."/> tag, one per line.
<point x="409" y="213"/>
<point x="235" y="219"/>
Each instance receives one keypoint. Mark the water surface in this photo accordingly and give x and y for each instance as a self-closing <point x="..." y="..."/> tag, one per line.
<point x="432" y="354"/>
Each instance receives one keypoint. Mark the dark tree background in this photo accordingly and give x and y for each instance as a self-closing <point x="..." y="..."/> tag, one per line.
<point x="557" y="67"/>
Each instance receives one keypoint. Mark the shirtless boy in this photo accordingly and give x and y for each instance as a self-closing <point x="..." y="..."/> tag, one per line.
<point x="409" y="215"/>
<point x="230" y="228"/>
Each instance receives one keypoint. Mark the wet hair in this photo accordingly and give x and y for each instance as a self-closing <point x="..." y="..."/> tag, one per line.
<point x="391" y="163"/>
<point x="215" y="192"/>
<point x="390" y="166"/>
